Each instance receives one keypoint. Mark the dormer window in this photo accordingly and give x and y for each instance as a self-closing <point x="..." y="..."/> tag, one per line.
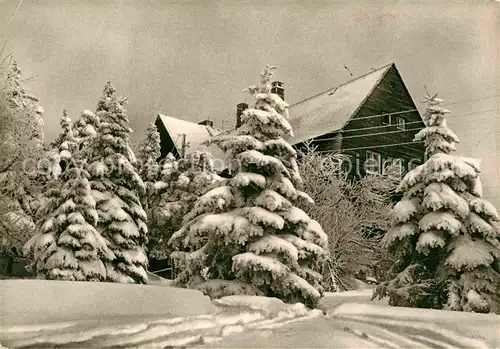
<point x="401" y="123"/>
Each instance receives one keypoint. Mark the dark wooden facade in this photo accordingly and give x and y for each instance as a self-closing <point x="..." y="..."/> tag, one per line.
<point x="368" y="131"/>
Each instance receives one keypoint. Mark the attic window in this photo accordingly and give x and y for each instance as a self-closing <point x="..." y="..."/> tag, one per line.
<point x="386" y="119"/>
<point x="401" y="123"/>
<point x="392" y="84"/>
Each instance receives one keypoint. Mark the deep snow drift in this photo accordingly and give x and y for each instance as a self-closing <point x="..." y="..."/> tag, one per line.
<point x="352" y="321"/>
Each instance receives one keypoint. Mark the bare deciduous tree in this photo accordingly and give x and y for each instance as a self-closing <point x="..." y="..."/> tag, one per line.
<point x="354" y="215"/>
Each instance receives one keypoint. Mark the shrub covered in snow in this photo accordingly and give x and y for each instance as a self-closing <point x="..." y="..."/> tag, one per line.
<point x="354" y="214"/>
<point x="447" y="238"/>
<point x="67" y="245"/>
<point x="116" y="188"/>
<point x="248" y="231"/>
<point x="182" y="182"/>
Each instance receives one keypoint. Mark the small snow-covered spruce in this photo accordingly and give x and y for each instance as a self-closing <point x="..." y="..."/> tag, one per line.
<point x="147" y="161"/>
<point x="182" y="182"/>
<point x="246" y="235"/>
<point x="116" y="188"/>
<point x="447" y="237"/>
<point x="68" y="246"/>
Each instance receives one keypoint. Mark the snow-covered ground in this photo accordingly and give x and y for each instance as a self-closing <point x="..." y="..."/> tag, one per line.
<point x="351" y="321"/>
<point x="367" y="324"/>
<point x="235" y="314"/>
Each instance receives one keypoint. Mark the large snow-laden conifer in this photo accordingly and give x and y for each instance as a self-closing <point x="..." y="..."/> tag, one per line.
<point x="246" y="235"/>
<point x="446" y="238"/>
<point x="68" y="246"/>
<point x="182" y="182"/>
<point x="116" y="188"/>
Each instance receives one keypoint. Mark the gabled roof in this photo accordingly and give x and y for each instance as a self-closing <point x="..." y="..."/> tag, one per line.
<point x="195" y="135"/>
<point x="330" y="110"/>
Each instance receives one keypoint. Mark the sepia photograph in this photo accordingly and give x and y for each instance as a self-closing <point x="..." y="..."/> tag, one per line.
<point x="249" y="174"/>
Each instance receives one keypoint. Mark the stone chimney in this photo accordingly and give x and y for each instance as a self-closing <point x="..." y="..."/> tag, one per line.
<point x="240" y="108"/>
<point x="208" y="123"/>
<point x="278" y="88"/>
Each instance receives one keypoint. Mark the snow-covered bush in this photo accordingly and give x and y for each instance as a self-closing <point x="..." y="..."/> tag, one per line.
<point x="67" y="245"/>
<point x="116" y="188"/>
<point x="182" y="182"/>
<point x="248" y="231"/>
<point x="446" y="239"/>
<point x="354" y="215"/>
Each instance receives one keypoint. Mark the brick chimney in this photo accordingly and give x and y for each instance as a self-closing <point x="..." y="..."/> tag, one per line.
<point x="278" y="88"/>
<point x="240" y="108"/>
<point x="207" y="122"/>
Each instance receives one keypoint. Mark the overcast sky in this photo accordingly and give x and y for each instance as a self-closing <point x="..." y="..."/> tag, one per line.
<point x="192" y="59"/>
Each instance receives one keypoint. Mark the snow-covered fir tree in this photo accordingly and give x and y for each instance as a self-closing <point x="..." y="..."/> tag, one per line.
<point x="116" y="188"/>
<point x="147" y="161"/>
<point x="68" y="246"/>
<point x="181" y="184"/>
<point x="246" y="235"/>
<point x="447" y="237"/>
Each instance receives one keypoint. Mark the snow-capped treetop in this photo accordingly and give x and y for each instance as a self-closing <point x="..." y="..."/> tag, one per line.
<point x="437" y="137"/>
<point x="114" y="131"/>
<point x="86" y="125"/>
<point x="65" y="141"/>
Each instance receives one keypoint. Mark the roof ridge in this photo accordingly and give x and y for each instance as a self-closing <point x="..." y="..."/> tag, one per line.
<point x="343" y="84"/>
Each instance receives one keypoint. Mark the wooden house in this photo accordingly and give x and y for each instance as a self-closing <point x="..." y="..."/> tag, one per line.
<point x="372" y="119"/>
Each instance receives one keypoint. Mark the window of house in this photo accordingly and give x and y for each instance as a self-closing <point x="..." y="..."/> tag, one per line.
<point x="386" y="119"/>
<point x="401" y="123"/>
<point x="372" y="162"/>
<point x="393" y="167"/>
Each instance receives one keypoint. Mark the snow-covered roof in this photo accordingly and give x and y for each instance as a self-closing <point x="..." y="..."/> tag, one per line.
<point x="330" y="110"/>
<point x="196" y="134"/>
